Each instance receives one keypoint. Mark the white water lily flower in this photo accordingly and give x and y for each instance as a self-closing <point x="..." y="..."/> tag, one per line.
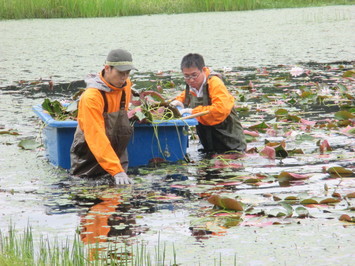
<point x="296" y="71"/>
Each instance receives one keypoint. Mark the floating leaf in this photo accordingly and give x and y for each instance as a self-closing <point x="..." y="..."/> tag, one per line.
<point x="225" y="203"/>
<point x="259" y="127"/>
<point x="281" y="152"/>
<point x="304" y="137"/>
<point x="288" y="208"/>
<point x="295" y="151"/>
<point x="9" y="132"/>
<point x="28" y="144"/>
<point x="339" y="171"/>
<point x="268" y="152"/>
<point x="252" y="180"/>
<point x="302" y="212"/>
<point x="308" y="201"/>
<point x="329" y="200"/>
<point x="347" y="218"/>
<point x="281" y="112"/>
<point x="293" y="118"/>
<point x="324" y="146"/>
<point x="291" y="198"/>
<point x="351" y="195"/>
<point x="291" y="176"/>
<point x="349" y="74"/>
<point x="276" y="212"/>
<point x="343" y="115"/>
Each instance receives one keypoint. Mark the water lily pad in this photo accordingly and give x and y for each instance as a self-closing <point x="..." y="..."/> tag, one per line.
<point x="9" y="132"/>
<point x="329" y="200"/>
<point x="343" y="115"/>
<point x="29" y="144"/>
<point x="338" y="171"/>
<point x="347" y="218"/>
<point x="308" y="201"/>
<point x="302" y="212"/>
<point x="225" y="203"/>
<point x="291" y="176"/>
<point x="350" y="195"/>
<point x="276" y="212"/>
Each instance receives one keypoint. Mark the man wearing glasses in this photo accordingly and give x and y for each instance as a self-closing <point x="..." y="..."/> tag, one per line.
<point x="219" y="131"/>
<point x="100" y="142"/>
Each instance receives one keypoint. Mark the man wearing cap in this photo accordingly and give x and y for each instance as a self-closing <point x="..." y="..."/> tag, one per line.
<point x="99" y="149"/>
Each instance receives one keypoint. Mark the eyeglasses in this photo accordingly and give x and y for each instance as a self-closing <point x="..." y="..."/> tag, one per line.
<point x="193" y="76"/>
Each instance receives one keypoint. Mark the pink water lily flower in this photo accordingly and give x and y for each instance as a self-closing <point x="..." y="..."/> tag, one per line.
<point x="296" y="71"/>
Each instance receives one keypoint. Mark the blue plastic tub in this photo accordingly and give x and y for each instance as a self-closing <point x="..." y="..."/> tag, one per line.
<point x="166" y="140"/>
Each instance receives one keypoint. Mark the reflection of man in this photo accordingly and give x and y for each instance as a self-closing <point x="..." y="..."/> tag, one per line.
<point x="95" y="223"/>
<point x="103" y="132"/>
<point x="111" y="217"/>
<point x="99" y="224"/>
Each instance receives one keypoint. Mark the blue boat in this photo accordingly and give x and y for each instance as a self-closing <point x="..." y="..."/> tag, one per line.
<point x="162" y="140"/>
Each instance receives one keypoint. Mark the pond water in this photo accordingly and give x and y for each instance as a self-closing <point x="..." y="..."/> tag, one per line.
<point x="255" y="50"/>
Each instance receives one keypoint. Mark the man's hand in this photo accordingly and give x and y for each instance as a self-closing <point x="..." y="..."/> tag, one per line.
<point x="177" y="103"/>
<point x="186" y="111"/>
<point x="122" y="179"/>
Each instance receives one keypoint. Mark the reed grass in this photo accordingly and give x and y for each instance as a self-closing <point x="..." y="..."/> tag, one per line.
<point x="20" y="9"/>
<point x="21" y="249"/>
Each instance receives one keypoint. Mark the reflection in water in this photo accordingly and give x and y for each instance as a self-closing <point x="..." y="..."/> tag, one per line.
<point x="105" y="222"/>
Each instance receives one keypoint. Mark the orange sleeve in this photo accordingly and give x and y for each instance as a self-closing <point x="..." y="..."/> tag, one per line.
<point x="222" y="103"/>
<point x="181" y="97"/>
<point x="92" y="123"/>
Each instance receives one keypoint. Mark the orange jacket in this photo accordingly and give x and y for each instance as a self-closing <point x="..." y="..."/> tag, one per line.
<point x="222" y="102"/>
<point x="91" y="122"/>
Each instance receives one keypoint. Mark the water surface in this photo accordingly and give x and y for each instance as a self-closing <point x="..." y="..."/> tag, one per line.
<point x="33" y="192"/>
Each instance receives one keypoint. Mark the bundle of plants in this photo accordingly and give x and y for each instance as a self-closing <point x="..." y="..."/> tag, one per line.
<point x="150" y="107"/>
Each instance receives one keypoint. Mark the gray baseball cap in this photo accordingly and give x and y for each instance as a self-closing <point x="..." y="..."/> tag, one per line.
<point x="120" y="59"/>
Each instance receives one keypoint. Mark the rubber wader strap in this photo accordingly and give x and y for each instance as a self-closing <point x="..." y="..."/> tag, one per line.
<point x="122" y="103"/>
<point x="187" y="96"/>
<point x="105" y="101"/>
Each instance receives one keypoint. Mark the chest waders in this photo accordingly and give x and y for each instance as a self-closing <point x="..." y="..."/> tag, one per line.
<point x="226" y="136"/>
<point x="118" y="131"/>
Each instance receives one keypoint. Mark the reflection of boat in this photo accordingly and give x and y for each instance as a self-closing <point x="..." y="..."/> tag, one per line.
<point x="161" y="141"/>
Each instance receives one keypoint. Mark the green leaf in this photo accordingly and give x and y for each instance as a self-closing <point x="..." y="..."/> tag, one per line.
<point x="281" y="112"/>
<point x="280" y="151"/>
<point x="339" y="171"/>
<point x="302" y="212"/>
<point x="308" y="201"/>
<point x="140" y="115"/>
<point x="28" y="144"/>
<point x="304" y="137"/>
<point x="259" y="127"/>
<point x="288" y="208"/>
<point x="277" y="212"/>
<point x="349" y="74"/>
<point x="343" y="115"/>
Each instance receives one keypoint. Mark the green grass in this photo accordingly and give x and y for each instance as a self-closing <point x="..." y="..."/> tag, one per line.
<point x="20" y="9"/>
<point x="21" y="249"/>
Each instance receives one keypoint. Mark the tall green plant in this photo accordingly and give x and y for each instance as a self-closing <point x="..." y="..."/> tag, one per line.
<point x="19" y="9"/>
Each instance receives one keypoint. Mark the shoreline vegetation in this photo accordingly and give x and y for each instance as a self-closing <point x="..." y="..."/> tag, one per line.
<point x="19" y="9"/>
<point x="22" y="248"/>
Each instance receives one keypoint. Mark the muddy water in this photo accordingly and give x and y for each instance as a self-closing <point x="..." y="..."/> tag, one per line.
<point x="33" y="192"/>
